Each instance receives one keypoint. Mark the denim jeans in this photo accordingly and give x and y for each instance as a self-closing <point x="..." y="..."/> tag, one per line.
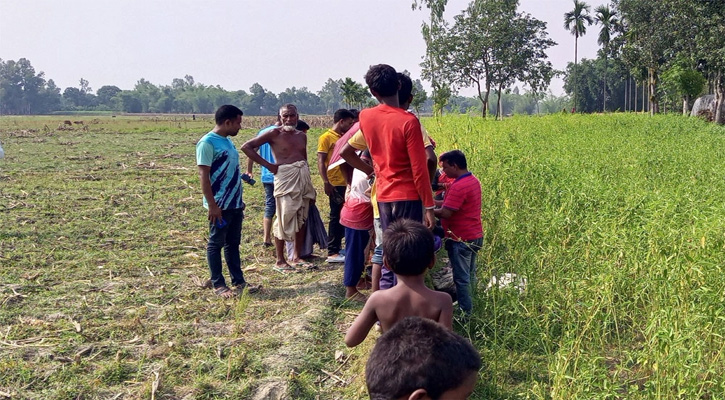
<point x="463" y="261"/>
<point x="270" y="204"/>
<point x="389" y="213"/>
<point x="336" y="231"/>
<point x="355" y="243"/>
<point x="228" y="238"/>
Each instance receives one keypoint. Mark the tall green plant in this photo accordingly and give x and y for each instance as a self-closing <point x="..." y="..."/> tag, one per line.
<point x="576" y="22"/>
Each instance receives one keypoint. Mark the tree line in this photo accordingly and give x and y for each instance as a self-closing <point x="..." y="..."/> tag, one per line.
<point x="23" y="91"/>
<point x="654" y="56"/>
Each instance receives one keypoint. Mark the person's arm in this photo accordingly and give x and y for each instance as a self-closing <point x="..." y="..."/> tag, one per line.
<point x="250" y="149"/>
<point x="323" y="172"/>
<point x="250" y="166"/>
<point x="443" y="212"/>
<point x="446" y="316"/>
<point x="215" y="213"/>
<point x="430" y="155"/>
<point x="419" y="168"/>
<point x="361" y="326"/>
<point x="350" y="156"/>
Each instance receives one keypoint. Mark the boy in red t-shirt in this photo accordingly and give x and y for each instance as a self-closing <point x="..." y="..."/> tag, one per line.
<point x="461" y="218"/>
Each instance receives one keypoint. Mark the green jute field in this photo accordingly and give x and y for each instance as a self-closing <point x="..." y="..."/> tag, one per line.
<point x="615" y="225"/>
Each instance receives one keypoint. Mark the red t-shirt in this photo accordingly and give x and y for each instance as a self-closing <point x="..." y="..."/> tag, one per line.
<point x="394" y="138"/>
<point x="463" y="197"/>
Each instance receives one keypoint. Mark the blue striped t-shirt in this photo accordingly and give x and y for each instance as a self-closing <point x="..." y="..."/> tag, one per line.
<point x="218" y="152"/>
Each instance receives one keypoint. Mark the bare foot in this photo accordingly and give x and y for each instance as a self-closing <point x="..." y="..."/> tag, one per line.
<point x="357" y="297"/>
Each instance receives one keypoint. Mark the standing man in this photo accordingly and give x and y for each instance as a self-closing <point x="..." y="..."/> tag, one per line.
<point x="461" y="218"/>
<point x="403" y="158"/>
<point x="335" y="183"/>
<point x="221" y="184"/>
<point x="267" y="178"/>
<point x="293" y="190"/>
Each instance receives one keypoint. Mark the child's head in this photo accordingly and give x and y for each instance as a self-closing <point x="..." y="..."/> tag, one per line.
<point x="420" y="359"/>
<point x="408" y="247"/>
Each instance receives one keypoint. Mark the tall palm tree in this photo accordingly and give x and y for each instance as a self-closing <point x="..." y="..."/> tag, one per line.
<point x="576" y="22"/>
<point x="607" y="18"/>
<point x="350" y="91"/>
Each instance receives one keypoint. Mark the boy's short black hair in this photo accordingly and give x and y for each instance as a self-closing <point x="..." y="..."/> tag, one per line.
<point x="418" y="353"/>
<point x="382" y="79"/>
<point x="406" y="88"/>
<point x="454" y="157"/>
<point x="408" y="247"/>
<point x="355" y="112"/>
<point x="226" y="112"/>
<point x="302" y="126"/>
<point x="341" y="114"/>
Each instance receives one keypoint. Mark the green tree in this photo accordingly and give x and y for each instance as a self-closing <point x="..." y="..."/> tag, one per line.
<point x="419" y="96"/>
<point x="331" y="95"/>
<point x="20" y="87"/>
<point x="576" y="22"/>
<point x="353" y="93"/>
<point x="106" y="95"/>
<point x="433" y="33"/>
<point x="491" y="45"/>
<point x="686" y="83"/>
<point x="607" y="18"/>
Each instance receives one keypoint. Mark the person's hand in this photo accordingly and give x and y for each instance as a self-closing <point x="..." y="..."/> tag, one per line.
<point x="429" y="219"/>
<point x="248" y="174"/>
<point x="215" y="213"/>
<point x="273" y="168"/>
<point x="329" y="188"/>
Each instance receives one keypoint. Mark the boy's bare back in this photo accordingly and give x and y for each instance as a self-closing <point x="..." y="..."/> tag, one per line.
<point x="402" y="301"/>
<point x="392" y="305"/>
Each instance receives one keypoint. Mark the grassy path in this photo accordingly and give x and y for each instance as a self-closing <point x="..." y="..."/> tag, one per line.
<point x="102" y="235"/>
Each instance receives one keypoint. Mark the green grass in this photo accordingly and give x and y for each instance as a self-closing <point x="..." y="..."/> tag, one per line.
<point x="617" y="221"/>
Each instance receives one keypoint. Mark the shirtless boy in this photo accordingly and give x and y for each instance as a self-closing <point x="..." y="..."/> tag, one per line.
<point x="408" y="251"/>
<point x="293" y="190"/>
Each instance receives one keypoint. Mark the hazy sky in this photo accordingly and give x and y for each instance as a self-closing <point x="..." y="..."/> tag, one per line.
<point x="235" y="43"/>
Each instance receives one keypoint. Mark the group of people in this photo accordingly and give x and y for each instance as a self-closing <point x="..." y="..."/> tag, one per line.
<point x="382" y="186"/>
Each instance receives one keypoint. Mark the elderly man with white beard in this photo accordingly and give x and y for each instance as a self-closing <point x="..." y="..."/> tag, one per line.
<point x="293" y="190"/>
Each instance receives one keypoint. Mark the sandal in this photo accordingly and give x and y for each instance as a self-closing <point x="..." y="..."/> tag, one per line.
<point x="224" y="291"/>
<point x="305" y="266"/>
<point x="285" y="269"/>
<point x="239" y="289"/>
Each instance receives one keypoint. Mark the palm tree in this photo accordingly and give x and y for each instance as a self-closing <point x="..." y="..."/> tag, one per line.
<point x="608" y="20"/>
<point x="576" y="22"/>
<point x="350" y="91"/>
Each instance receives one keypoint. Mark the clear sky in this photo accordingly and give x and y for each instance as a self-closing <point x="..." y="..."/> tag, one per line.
<point x="235" y="43"/>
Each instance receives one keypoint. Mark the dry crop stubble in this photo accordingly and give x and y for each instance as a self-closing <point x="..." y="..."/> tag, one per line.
<point x="103" y="230"/>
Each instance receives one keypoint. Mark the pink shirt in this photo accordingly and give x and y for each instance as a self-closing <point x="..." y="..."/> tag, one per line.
<point x="463" y="197"/>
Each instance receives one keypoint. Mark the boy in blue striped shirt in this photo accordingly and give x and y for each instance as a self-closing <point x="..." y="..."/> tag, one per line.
<point x="221" y="184"/>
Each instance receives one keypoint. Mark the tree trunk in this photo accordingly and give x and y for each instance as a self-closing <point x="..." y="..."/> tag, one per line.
<point x="719" y="97"/>
<point x="576" y="43"/>
<point x="484" y="99"/>
<point x="604" y="87"/>
<point x="653" y="108"/>
<point x="635" y="96"/>
<point x="685" y="105"/>
<point x="626" y="88"/>
<point x="499" y="104"/>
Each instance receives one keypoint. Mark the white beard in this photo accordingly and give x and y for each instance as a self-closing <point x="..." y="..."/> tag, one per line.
<point x="288" y="128"/>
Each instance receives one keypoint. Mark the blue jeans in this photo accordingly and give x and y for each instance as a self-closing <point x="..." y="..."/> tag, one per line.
<point x="389" y="213"/>
<point x="227" y="237"/>
<point x="270" y="204"/>
<point x="336" y="231"/>
<point x="463" y="261"/>
<point x="355" y="243"/>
